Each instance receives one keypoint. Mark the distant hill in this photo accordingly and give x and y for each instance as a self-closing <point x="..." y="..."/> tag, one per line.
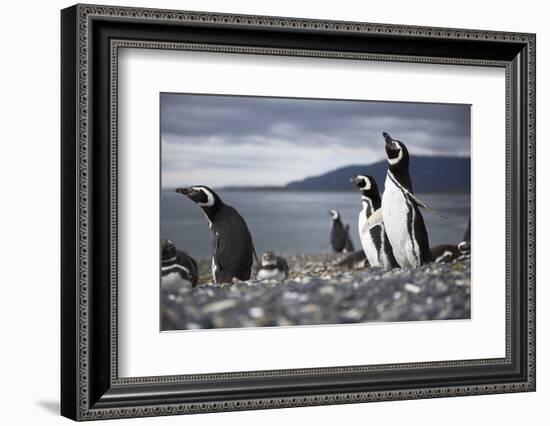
<point x="429" y="174"/>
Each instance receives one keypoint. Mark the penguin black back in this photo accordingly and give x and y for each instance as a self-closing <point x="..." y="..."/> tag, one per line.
<point x="421" y="233"/>
<point x="357" y="259"/>
<point x="232" y="247"/>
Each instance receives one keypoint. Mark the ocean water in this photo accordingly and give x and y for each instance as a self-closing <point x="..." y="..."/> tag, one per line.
<point x="296" y="222"/>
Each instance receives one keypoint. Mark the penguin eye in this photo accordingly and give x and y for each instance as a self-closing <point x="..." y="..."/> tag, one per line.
<point x="200" y="196"/>
<point x="365" y="183"/>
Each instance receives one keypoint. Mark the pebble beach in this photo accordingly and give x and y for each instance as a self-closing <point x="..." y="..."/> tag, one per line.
<point x="320" y="291"/>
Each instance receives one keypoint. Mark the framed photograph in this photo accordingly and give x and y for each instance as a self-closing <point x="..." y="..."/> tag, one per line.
<point x="263" y="212"/>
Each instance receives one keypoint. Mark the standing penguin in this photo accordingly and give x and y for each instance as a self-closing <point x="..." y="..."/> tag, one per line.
<point x="272" y="267"/>
<point x="232" y="248"/>
<point x="400" y="209"/>
<point x="338" y="235"/>
<point x="376" y="245"/>
<point x="177" y="267"/>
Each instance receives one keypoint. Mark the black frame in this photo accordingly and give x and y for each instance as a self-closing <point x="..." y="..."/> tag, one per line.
<point x="90" y="387"/>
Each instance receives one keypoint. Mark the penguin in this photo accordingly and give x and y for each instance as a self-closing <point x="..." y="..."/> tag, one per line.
<point x="400" y="209"/>
<point x="272" y="267"/>
<point x="355" y="260"/>
<point x="177" y="267"/>
<point x="232" y="248"/>
<point x="376" y="245"/>
<point x="339" y="237"/>
<point x="445" y="253"/>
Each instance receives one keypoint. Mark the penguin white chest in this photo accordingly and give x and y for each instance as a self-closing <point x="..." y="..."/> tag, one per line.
<point x="214" y="269"/>
<point x="270" y="274"/>
<point x="174" y="280"/>
<point x="370" y="249"/>
<point x="398" y="214"/>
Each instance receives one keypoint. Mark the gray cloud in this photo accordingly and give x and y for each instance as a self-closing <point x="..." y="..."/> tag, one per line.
<point x="234" y="140"/>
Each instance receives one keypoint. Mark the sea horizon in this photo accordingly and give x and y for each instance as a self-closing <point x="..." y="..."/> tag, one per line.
<point x="293" y="222"/>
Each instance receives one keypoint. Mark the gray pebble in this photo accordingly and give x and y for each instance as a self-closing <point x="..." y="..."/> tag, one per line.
<point x="319" y="292"/>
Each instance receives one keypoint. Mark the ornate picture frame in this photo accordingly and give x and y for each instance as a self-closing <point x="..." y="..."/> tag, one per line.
<point x="91" y="37"/>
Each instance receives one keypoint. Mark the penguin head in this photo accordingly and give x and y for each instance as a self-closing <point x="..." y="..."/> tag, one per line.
<point x="168" y="250"/>
<point x="268" y="259"/>
<point x="202" y="195"/>
<point x="464" y="247"/>
<point x="396" y="152"/>
<point x="366" y="184"/>
<point x="334" y="213"/>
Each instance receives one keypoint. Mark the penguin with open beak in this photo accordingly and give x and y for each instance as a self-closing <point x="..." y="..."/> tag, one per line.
<point x="401" y="214"/>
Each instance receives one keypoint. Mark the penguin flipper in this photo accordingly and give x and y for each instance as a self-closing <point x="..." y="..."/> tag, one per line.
<point x="216" y="246"/>
<point x="374" y="219"/>
<point x="254" y="252"/>
<point x="424" y="205"/>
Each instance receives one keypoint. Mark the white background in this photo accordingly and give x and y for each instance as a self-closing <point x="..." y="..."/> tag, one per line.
<point x="29" y="229"/>
<point x="142" y="346"/>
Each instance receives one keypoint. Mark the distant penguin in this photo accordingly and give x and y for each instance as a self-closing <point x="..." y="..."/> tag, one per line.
<point x="376" y="245"/>
<point x="445" y="253"/>
<point x="338" y="235"/>
<point x="272" y="267"/>
<point x="232" y="247"/>
<point x="400" y="209"/>
<point x="177" y="267"/>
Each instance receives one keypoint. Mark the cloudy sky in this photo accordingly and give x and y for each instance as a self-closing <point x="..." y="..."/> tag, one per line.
<point x="233" y="140"/>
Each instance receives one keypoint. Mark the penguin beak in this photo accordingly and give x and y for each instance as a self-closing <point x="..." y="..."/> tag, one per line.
<point x="184" y="191"/>
<point x="392" y="147"/>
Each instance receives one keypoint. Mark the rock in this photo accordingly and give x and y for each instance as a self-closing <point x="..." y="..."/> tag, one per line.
<point x="221" y="305"/>
<point x="320" y="292"/>
<point x="412" y="288"/>
<point x="256" y="312"/>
